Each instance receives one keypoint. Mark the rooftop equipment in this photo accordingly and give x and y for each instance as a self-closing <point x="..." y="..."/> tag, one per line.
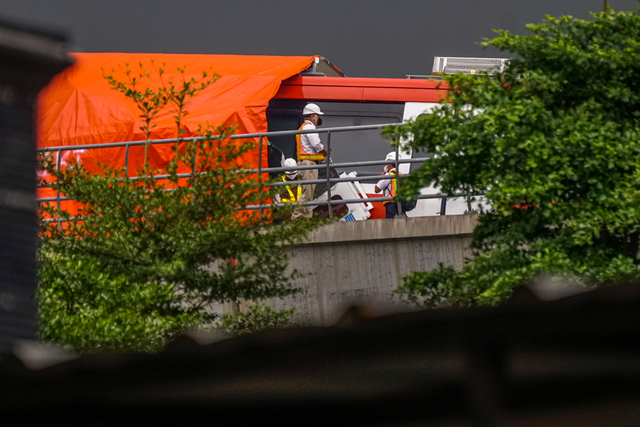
<point x="452" y="65"/>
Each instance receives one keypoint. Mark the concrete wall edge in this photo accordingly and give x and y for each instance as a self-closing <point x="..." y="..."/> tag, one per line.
<point x="393" y="229"/>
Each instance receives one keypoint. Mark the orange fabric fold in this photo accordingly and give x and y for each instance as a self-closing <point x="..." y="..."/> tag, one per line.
<point x="78" y="107"/>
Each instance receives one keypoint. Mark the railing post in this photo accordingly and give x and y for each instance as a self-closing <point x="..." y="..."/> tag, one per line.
<point x="260" y="176"/>
<point x="193" y="167"/>
<point x="399" y="204"/>
<point x="443" y="206"/>
<point x="126" y="161"/>
<point x="58" y="163"/>
<point x="327" y="159"/>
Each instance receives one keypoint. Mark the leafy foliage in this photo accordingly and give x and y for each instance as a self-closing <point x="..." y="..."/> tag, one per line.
<point x="554" y="143"/>
<point x="257" y="317"/>
<point x="145" y="258"/>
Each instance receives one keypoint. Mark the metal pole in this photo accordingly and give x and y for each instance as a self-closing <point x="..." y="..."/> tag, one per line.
<point x="205" y="138"/>
<point x="260" y="177"/>
<point x="193" y="168"/>
<point x="399" y="204"/>
<point x="327" y="159"/>
<point x="126" y="161"/>
<point x="443" y="206"/>
<point x="59" y="162"/>
<point x="275" y="205"/>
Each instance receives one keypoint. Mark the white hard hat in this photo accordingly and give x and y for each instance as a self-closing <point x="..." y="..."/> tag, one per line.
<point x="290" y="163"/>
<point x="311" y="109"/>
<point x="391" y="157"/>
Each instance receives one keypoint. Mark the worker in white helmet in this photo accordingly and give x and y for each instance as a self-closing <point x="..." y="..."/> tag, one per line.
<point x="310" y="152"/>
<point x="389" y="186"/>
<point x="291" y="193"/>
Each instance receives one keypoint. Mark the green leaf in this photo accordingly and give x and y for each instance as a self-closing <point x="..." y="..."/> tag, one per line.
<point x="554" y="144"/>
<point x="143" y="264"/>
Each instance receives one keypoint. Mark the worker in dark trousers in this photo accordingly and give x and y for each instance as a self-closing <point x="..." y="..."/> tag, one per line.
<point x="388" y="186"/>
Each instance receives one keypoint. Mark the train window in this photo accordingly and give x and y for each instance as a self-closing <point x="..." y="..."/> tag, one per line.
<point x="419" y="152"/>
<point x="358" y="146"/>
<point x="284" y="114"/>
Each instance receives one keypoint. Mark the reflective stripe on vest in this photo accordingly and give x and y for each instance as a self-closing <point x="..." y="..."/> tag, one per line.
<point x="293" y="198"/>
<point x="392" y="193"/>
<point x="303" y="155"/>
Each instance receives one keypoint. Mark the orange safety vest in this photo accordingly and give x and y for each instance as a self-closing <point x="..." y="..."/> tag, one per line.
<point x="293" y="198"/>
<point x="394" y="186"/>
<point x="303" y="155"/>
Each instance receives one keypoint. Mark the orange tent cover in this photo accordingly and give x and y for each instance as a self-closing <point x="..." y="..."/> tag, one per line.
<point x="79" y="107"/>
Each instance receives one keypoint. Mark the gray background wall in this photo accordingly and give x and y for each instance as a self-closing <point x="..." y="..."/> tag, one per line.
<point x="365" y="38"/>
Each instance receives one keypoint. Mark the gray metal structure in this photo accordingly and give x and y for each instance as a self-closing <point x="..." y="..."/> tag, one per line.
<point x="28" y="60"/>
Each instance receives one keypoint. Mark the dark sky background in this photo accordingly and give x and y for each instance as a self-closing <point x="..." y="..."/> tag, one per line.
<point x="364" y="38"/>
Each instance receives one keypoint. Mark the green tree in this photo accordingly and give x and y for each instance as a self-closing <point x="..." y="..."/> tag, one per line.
<point x="144" y="258"/>
<point x="256" y="317"/>
<point x="554" y="144"/>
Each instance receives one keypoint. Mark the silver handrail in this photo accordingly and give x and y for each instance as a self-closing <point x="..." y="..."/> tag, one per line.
<point x="260" y="136"/>
<point x="279" y="169"/>
<point x="214" y="137"/>
<point x="332" y="202"/>
<point x="281" y="183"/>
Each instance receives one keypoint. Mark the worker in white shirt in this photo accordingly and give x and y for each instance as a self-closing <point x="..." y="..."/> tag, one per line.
<point x="310" y="152"/>
<point x="389" y="186"/>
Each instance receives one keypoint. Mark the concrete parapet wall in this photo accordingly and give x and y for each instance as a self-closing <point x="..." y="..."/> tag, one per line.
<point x="393" y="229"/>
<point x="362" y="262"/>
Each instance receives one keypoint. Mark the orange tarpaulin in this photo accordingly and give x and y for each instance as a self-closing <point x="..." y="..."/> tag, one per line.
<point x="79" y="107"/>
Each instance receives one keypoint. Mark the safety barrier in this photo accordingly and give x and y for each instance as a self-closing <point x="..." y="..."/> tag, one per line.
<point x="260" y="170"/>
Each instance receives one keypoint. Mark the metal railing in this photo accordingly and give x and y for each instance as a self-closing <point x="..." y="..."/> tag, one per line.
<point x="260" y="170"/>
